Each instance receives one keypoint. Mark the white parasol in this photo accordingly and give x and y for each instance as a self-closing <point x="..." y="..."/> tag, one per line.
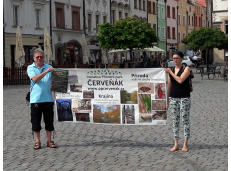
<point x="85" y="49"/>
<point x="47" y="46"/>
<point x="19" y="51"/>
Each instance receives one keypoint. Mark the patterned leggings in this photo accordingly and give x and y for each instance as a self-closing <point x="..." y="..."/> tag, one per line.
<point x="180" y="105"/>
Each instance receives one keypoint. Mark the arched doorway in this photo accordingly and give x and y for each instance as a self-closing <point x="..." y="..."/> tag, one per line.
<point x="59" y="56"/>
<point x="73" y="52"/>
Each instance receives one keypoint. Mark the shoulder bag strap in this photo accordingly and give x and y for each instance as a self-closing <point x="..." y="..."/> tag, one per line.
<point x="35" y="82"/>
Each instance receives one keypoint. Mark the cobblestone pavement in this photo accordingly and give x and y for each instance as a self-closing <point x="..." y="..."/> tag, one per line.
<point x="95" y="147"/>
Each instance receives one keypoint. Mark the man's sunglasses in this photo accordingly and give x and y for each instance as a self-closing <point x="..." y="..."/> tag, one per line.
<point x="37" y="57"/>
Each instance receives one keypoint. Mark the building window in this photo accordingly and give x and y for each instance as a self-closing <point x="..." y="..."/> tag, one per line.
<point x="135" y="4"/>
<point x="144" y="6"/>
<point x="75" y="18"/>
<point x="163" y="14"/>
<point x="96" y="23"/>
<point x="199" y="22"/>
<point x="189" y="9"/>
<point x="163" y="32"/>
<point x="149" y="7"/>
<point x="173" y="13"/>
<point x="169" y="33"/>
<point x="183" y="20"/>
<point x="89" y="22"/>
<point x="140" y="5"/>
<point x="168" y="11"/>
<point x="181" y="4"/>
<point x="196" y="21"/>
<point x="126" y="14"/>
<point x="192" y="21"/>
<point x="154" y="7"/>
<point x="15" y="15"/>
<point x="120" y="14"/>
<point x="104" y="19"/>
<point x="154" y="27"/>
<point x="178" y="19"/>
<point x="189" y="20"/>
<point x="226" y="27"/>
<point x="37" y="14"/>
<point x="158" y="10"/>
<point x="159" y="32"/>
<point x="60" y="19"/>
<point x="183" y="35"/>
<point x="179" y="37"/>
<point x="173" y="33"/>
<point x="113" y="17"/>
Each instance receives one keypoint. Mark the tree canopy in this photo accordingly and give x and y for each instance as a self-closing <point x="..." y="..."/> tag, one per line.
<point x="126" y="33"/>
<point x="206" y="38"/>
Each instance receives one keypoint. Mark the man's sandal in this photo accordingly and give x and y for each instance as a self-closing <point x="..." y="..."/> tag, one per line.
<point x="37" y="145"/>
<point x="51" y="144"/>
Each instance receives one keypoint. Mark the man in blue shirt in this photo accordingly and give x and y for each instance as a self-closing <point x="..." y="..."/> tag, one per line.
<point x="41" y="98"/>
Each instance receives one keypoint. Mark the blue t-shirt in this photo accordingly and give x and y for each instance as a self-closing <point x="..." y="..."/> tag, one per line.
<point x="41" y="91"/>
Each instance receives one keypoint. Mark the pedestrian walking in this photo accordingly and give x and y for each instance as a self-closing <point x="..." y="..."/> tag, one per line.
<point x="41" y="98"/>
<point x="163" y="61"/>
<point x="178" y="97"/>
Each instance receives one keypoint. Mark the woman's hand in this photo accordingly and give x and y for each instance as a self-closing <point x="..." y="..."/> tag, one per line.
<point x="167" y="70"/>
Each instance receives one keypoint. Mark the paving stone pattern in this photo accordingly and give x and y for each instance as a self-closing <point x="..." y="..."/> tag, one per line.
<point x="98" y="147"/>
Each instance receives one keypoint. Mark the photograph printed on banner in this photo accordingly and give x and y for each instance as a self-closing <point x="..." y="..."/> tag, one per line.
<point x="128" y="98"/>
<point x="160" y="91"/>
<point x="64" y="110"/>
<point x="145" y="88"/>
<point x="144" y="118"/>
<point x="128" y="114"/>
<point x="144" y="103"/>
<point x="158" y="104"/>
<point x="84" y="117"/>
<point x="81" y="105"/>
<point x="72" y="77"/>
<point x="75" y="88"/>
<point x="106" y="114"/>
<point x="159" y="115"/>
<point x="88" y="94"/>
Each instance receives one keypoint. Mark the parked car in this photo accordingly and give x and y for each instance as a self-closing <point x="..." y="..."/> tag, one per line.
<point x="186" y="60"/>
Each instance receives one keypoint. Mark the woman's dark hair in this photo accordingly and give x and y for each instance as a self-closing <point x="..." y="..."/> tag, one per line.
<point x="179" y="53"/>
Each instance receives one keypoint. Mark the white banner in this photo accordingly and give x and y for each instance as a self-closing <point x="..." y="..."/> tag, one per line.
<point x="114" y="96"/>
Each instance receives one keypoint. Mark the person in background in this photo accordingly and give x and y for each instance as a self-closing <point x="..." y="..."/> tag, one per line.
<point x="178" y="97"/>
<point x="163" y="61"/>
<point x="41" y="99"/>
<point x="194" y="58"/>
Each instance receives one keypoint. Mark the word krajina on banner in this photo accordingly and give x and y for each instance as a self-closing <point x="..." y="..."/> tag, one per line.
<point x="114" y="96"/>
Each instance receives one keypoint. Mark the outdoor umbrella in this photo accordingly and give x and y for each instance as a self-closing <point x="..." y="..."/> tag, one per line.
<point x="119" y="51"/>
<point x="47" y="46"/>
<point x="153" y="49"/>
<point x="19" y="51"/>
<point x="85" y="49"/>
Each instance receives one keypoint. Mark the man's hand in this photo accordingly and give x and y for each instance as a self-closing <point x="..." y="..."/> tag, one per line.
<point x="50" y="69"/>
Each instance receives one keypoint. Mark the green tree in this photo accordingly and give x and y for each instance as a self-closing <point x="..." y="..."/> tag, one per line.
<point x="126" y="33"/>
<point x="205" y="39"/>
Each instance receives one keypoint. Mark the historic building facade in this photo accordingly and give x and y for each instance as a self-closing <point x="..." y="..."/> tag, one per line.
<point x="171" y="27"/>
<point x="220" y="21"/>
<point x="31" y="16"/>
<point x="67" y="31"/>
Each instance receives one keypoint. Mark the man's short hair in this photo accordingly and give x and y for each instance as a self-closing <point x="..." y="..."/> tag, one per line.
<point x="38" y="50"/>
